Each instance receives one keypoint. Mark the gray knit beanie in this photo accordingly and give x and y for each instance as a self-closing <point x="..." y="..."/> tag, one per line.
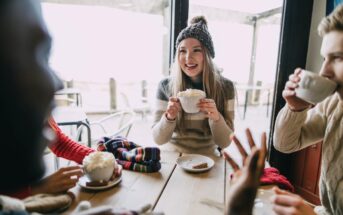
<point x="197" y="30"/>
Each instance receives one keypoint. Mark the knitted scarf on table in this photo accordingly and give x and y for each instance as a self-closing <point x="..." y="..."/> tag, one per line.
<point x="130" y="155"/>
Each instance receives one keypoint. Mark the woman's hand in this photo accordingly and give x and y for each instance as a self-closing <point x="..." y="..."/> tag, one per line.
<point x="60" y="181"/>
<point x="208" y="106"/>
<point x="245" y="181"/>
<point x="117" y="172"/>
<point x="174" y="107"/>
<point x="286" y="203"/>
<point x="294" y="103"/>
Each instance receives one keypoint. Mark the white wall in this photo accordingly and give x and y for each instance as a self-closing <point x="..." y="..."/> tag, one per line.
<point x="314" y="59"/>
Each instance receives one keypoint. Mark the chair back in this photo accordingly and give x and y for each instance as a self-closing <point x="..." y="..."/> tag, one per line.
<point x="116" y="124"/>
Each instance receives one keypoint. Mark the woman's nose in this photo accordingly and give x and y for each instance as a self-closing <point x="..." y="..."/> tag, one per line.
<point x="188" y="55"/>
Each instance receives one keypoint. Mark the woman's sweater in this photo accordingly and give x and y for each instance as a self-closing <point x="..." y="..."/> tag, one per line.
<point x="63" y="147"/>
<point x="297" y="130"/>
<point x="200" y="135"/>
<point x="67" y="148"/>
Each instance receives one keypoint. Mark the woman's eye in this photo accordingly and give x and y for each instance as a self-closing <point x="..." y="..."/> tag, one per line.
<point x="182" y="51"/>
<point x="197" y="50"/>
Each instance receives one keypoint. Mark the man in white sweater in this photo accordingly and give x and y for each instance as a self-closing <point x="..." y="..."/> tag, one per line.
<point x="299" y="126"/>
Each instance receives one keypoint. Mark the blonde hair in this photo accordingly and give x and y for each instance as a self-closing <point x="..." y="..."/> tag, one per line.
<point x="211" y="80"/>
<point x="332" y="22"/>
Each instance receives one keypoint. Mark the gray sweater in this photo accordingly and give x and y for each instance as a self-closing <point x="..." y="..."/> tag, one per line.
<point x="297" y="130"/>
<point x="200" y="135"/>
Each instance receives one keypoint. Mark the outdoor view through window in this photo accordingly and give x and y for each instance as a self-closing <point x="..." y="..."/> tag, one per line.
<point x="115" y="52"/>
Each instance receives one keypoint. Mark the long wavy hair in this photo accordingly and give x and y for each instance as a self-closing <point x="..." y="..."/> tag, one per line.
<point x="211" y="80"/>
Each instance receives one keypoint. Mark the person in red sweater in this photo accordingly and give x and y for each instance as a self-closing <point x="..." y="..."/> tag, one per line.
<point x="66" y="177"/>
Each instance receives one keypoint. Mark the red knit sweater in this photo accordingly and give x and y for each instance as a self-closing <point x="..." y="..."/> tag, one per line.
<point x="63" y="147"/>
<point x="67" y="148"/>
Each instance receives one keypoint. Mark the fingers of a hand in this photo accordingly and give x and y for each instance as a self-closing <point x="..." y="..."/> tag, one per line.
<point x="291" y="85"/>
<point x="282" y="210"/>
<point x="233" y="164"/>
<point x="288" y="200"/>
<point x="77" y="172"/>
<point x="240" y="147"/>
<point x="293" y="79"/>
<point x="297" y="71"/>
<point x="173" y="99"/>
<point x="252" y="162"/>
<point x="288" y="93"/>
<point x="250" y="138"/>
<point x="279" y="191"/>
<point x="117" y="172"/>
<point x="67" y="184"/>
<point x="69" y="168"/>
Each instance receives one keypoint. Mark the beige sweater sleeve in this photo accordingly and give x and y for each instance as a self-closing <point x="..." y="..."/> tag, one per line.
<point x="162" y="129"/>
<point x="221" y="131"/>
<point x="297" y="130"/>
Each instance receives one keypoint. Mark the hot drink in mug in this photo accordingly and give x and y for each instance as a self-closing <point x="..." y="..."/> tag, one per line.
<point x="314" y="88"/>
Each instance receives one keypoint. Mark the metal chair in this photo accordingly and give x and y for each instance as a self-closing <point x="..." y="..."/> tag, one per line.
<point x="116" y="124"/>
<point x="141" y="105"/>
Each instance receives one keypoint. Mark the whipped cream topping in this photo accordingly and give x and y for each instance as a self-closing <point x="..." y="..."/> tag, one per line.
<point x="191" y="92"/>
<point x="98" y="160"/>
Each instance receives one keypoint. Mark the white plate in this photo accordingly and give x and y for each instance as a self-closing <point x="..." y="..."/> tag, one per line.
<point x="187" y="161"/>
<point x="84" y="179"/>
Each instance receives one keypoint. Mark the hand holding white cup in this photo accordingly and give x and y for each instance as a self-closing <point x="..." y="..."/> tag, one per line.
<point x="314" y="88"/>
<point x="190" y="98"/>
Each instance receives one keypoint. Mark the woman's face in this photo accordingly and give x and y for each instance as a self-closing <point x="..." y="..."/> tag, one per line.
<point x="191" y="58"/>
<point x="28" y="87"/>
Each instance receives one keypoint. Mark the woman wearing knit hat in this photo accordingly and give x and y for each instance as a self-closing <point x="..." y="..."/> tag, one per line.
<point x="193" y="68"/>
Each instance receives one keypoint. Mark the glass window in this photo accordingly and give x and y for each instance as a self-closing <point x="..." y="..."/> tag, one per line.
<point x="246" y="40"/>
<point x="95" y="41"/>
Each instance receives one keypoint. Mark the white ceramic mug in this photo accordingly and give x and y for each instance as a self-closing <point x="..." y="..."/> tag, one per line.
<point x="99" y="166"/>
<point x="314" y="88"/>
<point x="189" y="104"/>
<point x="190" y="98"/>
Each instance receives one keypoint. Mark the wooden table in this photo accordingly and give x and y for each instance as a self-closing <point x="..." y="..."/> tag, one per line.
<point x="171" y="190"/>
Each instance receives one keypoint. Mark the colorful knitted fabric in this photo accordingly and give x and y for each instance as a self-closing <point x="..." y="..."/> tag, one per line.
<point x="130" y="155"/>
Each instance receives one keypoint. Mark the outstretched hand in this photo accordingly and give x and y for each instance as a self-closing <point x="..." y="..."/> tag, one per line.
<point x="60" y="181"/>
<point x="245" y="181"/>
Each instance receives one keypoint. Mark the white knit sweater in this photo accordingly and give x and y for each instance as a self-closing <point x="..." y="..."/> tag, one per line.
<point x="297" y="130"/>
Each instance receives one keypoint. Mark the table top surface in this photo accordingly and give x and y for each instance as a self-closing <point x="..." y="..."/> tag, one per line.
<point x="171" y="190"/>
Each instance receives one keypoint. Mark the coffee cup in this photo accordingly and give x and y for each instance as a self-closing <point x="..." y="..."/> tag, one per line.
<point x="190" y="98"/>
<point x="99" y="166"/>
<point x="314" y="88"/>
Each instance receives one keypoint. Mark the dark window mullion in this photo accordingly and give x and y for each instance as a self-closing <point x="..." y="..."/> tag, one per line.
<point x="179" y="17"/>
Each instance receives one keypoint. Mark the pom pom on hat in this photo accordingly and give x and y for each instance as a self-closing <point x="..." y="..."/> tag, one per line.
<point x="197" y="30"/>
<point x="198" y="19"/>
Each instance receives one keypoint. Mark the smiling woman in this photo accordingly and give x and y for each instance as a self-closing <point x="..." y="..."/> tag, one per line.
<point x="210" y="127"/>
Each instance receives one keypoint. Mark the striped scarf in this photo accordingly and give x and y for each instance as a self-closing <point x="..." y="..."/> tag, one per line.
<point x="130" y="155"/>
